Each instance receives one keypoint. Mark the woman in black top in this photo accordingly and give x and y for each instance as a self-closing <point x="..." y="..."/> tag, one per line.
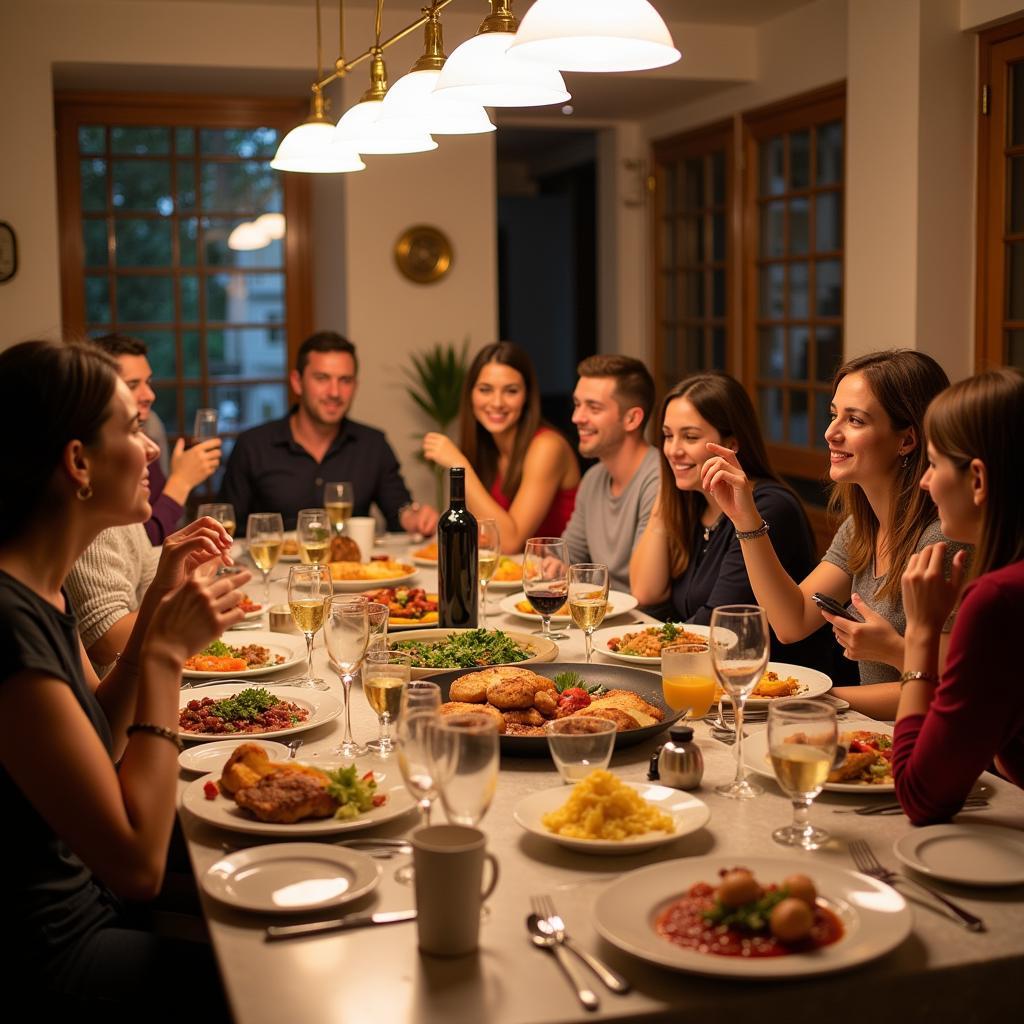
<point x="80" y="834"/>
<point x="689" y="554"/>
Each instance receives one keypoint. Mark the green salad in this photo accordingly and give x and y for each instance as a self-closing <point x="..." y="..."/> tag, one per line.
<point x="475" y="649"/>
<point x="244" y="706"/>
<point x="355" y="794"/>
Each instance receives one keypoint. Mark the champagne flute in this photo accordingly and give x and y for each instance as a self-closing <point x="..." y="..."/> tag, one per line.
<point x="488" y="553"/>
<point x="265" y="534"/>
<point x="588" y="598"/>
<point x="418" y="722"/>
<point x="339" y="500"/>
<point x="347" y="632"/>
<point x="739" y="642"/>
<point x="466" y="766"/>
<point x="686" y="680"/>
<point x="420" y="695"/>
<point x="385" y="677"/>
<point x="223" y="512"/>
<point x="802" y="741"/>
<point x="313" y="533"/>
<point x="378" y="615"/>
<point x="309" y="587"/>
<point x="546" y="580"/>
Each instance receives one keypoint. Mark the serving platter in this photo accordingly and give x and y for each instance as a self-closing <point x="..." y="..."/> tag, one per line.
<point x="293" y="649"/>
<point x="543" y="650"/>
<point x="619" y="603"/>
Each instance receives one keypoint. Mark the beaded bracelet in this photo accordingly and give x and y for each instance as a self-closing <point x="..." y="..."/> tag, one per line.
<point x="157" y="730"/>
<point x="752" y="534"/>
<point x="925" y="677"/>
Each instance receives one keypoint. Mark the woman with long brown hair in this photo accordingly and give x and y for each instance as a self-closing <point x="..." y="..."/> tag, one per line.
<point x="688" y="555"/>
<point x="519" y="471"/>
<point x="975" y="705"/>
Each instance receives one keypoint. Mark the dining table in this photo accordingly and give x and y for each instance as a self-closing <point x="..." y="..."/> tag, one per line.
<point x="941" y="971"/>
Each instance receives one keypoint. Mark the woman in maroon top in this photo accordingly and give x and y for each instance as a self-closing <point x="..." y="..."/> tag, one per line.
<point x="950" y="729"/>
<point x="519" y="471"/>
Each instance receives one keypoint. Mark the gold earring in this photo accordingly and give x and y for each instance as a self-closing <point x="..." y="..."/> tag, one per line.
<point x="84" y="493"/>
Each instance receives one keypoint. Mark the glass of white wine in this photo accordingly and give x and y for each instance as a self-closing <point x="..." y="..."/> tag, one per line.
<point x="588" y="598"/>
<point x="309" y="587"/>
<point x="347" y="632"/>
<point x="385" y="677"/>
<point x="488" y="553"/>
<point x="265" y="534"/>
<point x="802" y="742"/>
<point x="339" y="500"/>
<point x="313" y="533"/>
<point x="223" y="512"/>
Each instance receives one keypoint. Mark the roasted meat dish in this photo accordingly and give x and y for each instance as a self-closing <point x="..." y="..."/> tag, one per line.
<point x="286" y="796"/>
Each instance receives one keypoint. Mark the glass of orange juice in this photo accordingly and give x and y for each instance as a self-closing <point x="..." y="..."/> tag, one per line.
<point x="686" y="679"/>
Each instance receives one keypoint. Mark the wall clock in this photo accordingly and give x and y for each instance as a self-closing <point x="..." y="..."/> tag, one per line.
<point x="423" y="254"/>
<point x="8" y="252"/>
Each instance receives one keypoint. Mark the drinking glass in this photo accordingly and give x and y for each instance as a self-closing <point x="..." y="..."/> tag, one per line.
<point x="378" y="615"/>
<point x="339" y="501"/>
<point x="347" y="632"/>
<point x="204" y="427"/>
<point x="579" y="746"/>
<point x="686" y="680"/>
<point x="488" y="553"/>
<point x="385" y="677"/>
<point x="309" y="587"/>
<point x="588" y="598"/>
<point x="739" y="653"/>
<point x="546" y="580"/>
<point x="313" y="533"/>
<point x="420" y="695"/>
<point x="222" y="512"/>
<point x="265" y="534"/>
<point x="466" y="766"/>
<point x="802" y="741"/>
<point x="418" y="721"/>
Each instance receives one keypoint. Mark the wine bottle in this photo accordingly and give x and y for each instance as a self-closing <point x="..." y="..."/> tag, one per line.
<point x="457" y="584"/>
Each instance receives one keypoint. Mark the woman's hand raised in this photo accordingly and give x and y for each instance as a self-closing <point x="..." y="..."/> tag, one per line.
<point x="928" y="597"/>
<point x="723" y="479"/>
<point x="443" y="450"/>
<point x="183" y="552"/>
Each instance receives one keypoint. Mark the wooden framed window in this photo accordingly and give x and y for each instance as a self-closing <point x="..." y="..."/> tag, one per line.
<point x="150" y="190"/>
<point x="793" y="266"/>
<point x="1000" y="277"/>
<point x="693" y="196"/>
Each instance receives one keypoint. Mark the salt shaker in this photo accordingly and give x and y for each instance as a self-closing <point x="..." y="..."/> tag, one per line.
<point x="679" y="763"/>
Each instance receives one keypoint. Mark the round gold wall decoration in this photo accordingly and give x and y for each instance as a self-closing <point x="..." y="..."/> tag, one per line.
<point x="423" y="254"/>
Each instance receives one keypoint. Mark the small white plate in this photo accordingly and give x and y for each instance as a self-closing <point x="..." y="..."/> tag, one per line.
<point x="322" y="706"/>
<point x="356" y="586"/>
<point x="211" y="757"/>
<point x="618" y="604"/>
<point x="978" y="855"/>
<point x="602" y="636"/>
<point x="293" y="650"/>
<point x="291" y="878"/>
<point x="688" y="813"/>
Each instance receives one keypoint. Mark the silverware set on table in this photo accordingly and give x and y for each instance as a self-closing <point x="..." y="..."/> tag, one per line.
<point x="974" y="803"/>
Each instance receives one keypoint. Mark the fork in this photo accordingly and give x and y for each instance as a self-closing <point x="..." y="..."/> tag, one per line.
<point x="974" y="803"/>
<point x="866" y="861"/>
<point x="544" y="908"/>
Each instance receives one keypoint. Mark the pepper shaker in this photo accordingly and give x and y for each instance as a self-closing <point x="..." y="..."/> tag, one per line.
<point x="679" y="763"/>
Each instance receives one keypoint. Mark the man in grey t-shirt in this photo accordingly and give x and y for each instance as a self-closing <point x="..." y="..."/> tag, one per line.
<point x="611" y="405"/>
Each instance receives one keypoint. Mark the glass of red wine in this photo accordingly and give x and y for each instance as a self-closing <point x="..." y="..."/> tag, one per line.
<point x="546" y="580"/>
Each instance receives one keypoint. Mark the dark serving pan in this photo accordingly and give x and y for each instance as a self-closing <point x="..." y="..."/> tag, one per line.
<point x="611" y="677"/>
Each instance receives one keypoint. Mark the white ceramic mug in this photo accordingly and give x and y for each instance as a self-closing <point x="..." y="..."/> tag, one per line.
<point x="362" y="529"/>
<point x="448" y="861"/>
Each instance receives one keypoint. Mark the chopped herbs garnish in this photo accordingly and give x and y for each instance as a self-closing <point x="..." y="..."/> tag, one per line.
<point x="479" y="647"/>
<point x="573" y="680"/>
<point x="244" y="706"/>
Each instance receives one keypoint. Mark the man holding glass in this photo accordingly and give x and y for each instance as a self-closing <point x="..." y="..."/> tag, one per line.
<point x="282" y="466"/>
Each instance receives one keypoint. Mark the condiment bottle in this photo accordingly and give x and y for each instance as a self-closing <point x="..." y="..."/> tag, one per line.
<point x="679" y="763"/>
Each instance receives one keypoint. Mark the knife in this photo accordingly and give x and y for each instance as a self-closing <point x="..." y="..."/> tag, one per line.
<point x="287" y="931"/>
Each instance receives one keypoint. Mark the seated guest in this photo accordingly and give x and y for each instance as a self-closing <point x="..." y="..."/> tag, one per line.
<point x="611" y="405"/>
<point x="89" y="769"/>
<point x="519" y="471"/>
<point x="690" y="554"/>
<point x="282" y="466"/>
<point x="189" y="466"/>
<point x="952" y="723"/>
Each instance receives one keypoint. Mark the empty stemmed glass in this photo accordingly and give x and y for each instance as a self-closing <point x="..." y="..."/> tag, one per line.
<point x="265" y="534"/>
<point x="588" y="598"/>
<point x="385" y="677"/>
<point x="309" y="587"/>
<point x="347" y="632"/>
<point x="739" y="641"/>
<point x="466" y="766"/>
<point x="488" y="553"/>
<point x="223" y="512"/>
<point x="377" y="615"/>
<point x="338" y="503"/>
<point x="546" y="580"/>
<point x="313" y="534"/>
<point x="417" y="736"/>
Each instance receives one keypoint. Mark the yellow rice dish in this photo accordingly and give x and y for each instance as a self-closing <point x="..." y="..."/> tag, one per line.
<point x="601" y="807"/>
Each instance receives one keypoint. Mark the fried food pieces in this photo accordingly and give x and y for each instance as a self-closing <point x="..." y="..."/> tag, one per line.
<point x="456" y="707"/>
<point x="274" y="790"/>
<point x="345" y="549"/>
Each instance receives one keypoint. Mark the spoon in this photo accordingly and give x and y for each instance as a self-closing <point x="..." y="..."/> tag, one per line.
<point x="293" y="749"/>
<point x="583" y="992"/>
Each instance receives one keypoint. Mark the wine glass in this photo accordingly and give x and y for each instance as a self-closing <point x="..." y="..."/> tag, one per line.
<point x="488" y="553"/>
<point x="347" y="632"/>
<point x="546" y="580"/>
<point x="739" y="642"/>
<point x="204" y="427"/>
<point x="223" y="512"/>
<point x="466" y="766"/>
<point x="309" y="587"/>
<point x="378" y="615"/>
<point x="802" y="741"/>
<point x="417" y="732"/>
<point x="265" y="534"/>
<point x="686" y="680"/>
<point x="588" y="598"/>
<point x="313" y="533"/>
<point x="420" y="695"/>
<point x="385" y="677"/>
<point x="339" y="500"/>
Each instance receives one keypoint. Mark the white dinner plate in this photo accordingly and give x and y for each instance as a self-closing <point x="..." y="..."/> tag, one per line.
<point x="427" y="563"/>
<point x="755" y="757"/>
<point x="223" y="812"/>
<point x="292" y="649"/>
<point x="210" y="757"/>
<point x="257" y="613"/>
<point x="289" y="536"/>
<point x="322" y="706"/>
<point x="602" y="636"/>
<point x="688" y="813"/>
<point x="876" y="918"/>
<point x="812" y="684"/>
<point x="291" y="878"/>
<point x="979" y="855"/>
<point x="355" y="586"/>
<point x="618" y="604"/>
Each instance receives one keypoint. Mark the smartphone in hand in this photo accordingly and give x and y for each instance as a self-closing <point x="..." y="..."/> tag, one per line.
<point x="833" y="607"/>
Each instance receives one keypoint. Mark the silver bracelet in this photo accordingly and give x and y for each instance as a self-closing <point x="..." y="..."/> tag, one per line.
<point x="751" y="534"/>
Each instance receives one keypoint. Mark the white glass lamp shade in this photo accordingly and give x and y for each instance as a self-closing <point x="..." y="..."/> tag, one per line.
<point x="248" y="236"/>
<point x="594" y="35"/>
<point x="359" y="128"/>
<point x="412" y="102"/>
<point x="310" y="148"/>
<point x="481" y="71"/>
<point x="272" y="224"/>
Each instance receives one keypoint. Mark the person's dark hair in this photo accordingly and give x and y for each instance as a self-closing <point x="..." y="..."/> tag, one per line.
<point x="476" y="443"/>
<point x="324" y="341"/>
<point x="634" y="385"/>
<point x="64" y="392"/>
<point x="120" y="345"/>
<point x="983" y="418"/>
<point x="904" y="382"/>
<point x="725" y="404"/>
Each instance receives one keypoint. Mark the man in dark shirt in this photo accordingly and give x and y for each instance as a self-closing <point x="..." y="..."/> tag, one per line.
<point x="282" y="466"/>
